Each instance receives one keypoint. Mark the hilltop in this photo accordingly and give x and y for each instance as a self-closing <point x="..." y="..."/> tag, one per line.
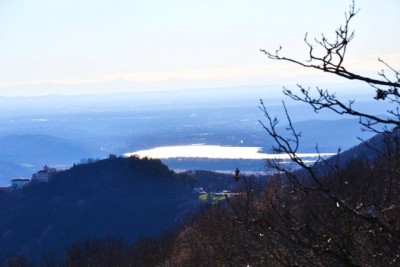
<point x="127" y="198"/>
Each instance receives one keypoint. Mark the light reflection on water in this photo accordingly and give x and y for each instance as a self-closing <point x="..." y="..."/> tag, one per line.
<point x="215" y="152"/>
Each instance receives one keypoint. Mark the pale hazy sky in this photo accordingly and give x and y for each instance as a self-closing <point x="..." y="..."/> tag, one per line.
<point x="164" y="44"/>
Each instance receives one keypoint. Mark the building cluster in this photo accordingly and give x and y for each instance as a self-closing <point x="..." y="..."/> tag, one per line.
<point x="42" y="176"/>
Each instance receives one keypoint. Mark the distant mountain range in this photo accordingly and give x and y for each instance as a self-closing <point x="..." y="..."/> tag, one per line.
<point x="39" y="148"/>
<point x="21" y="155"/>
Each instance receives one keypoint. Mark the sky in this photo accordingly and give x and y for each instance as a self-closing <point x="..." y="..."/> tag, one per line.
<point x="56" y="46"/>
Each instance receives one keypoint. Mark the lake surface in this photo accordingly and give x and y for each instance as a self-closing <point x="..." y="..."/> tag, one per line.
<point x="215" y="152"/>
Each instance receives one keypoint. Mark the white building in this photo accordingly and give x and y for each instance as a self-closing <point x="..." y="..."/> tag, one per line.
<point x="19" y="183"/>
<point x="44" y="175"/>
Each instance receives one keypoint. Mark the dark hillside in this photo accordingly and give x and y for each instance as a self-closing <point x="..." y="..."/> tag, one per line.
<point x="353" y="219"/>
<point x="212" y="181"/>
<point x="381" y="146"/>
<point x="126" y="198"/>
<point x="330" y="134"/>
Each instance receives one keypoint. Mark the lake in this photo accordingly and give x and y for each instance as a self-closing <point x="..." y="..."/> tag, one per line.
<point x="215" y="152"/>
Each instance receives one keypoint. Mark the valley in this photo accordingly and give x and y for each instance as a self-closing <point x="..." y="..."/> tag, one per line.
<point x="60" y="134"/>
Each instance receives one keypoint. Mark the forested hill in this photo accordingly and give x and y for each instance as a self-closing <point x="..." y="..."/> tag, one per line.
<point x="125" y="198"/>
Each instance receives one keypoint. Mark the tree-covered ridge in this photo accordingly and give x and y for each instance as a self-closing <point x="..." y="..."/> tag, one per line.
<point x="121" y="197"/>
<point x="279" y="224"/>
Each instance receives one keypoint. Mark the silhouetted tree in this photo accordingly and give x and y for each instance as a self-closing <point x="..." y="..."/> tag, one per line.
<point x="328" y="56"/>
<point x="338" y="211"/>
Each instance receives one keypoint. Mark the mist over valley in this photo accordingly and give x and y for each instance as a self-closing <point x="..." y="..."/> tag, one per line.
<point x="62" y="130"/>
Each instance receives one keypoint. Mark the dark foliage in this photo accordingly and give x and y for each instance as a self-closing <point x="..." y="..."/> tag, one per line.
<point x="285" y="225"/>
<point x="126" y="198"/>
<point x="212" y="181"/>
<point x="281" y="225"/>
